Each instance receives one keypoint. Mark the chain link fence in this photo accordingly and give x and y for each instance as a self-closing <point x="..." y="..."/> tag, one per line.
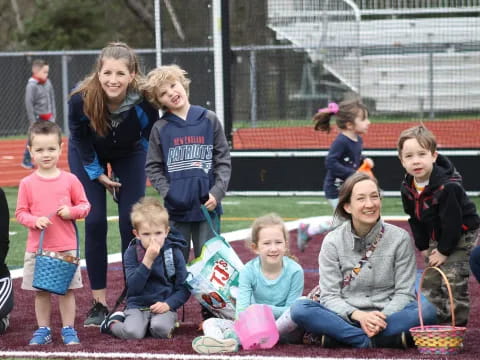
<point x="408" y="60"/>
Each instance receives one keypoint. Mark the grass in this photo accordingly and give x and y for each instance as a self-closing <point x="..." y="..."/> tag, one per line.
<point x="239" y="212"/>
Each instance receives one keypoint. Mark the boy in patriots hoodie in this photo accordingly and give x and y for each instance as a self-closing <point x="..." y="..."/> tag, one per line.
<point x="188" y="159"/>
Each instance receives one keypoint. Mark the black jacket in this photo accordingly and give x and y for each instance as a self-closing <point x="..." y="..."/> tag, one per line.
<point x="442" y="211"/>
<point x="4" y="237"/>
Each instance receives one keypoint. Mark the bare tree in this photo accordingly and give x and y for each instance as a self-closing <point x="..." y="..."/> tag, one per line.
<point x="140" y="9"/>
<point x="18" y="19"/>
<point x="144" y="13"/>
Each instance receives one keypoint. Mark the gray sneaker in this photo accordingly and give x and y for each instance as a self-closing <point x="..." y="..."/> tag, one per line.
<point x="96" y="315"/>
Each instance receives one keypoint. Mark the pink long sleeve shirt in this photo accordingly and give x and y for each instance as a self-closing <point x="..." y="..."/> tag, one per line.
<point x="38" y="196"/>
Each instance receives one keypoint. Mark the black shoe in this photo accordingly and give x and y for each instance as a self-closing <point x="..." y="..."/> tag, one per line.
<point x="323" y="341"/>
<point x="118" y="316"/>
<point x="399" y="341"/>
<point x="96" y="315"/>
<point x="331" y="343"/>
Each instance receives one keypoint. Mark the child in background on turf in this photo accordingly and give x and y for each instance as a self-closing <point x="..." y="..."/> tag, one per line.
<point x="273" y="278"/>
<point x="444" y="221"/>
<point x="49" y="199"/>
<point x="344" y="157"/>
<point x="39" y="100"/>
<point x="155" y="274"/>
<point x="188" y="159"/>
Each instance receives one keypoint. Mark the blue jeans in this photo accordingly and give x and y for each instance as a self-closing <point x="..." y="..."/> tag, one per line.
<point x="319" y="320"/>
<point x="475" y="262"/>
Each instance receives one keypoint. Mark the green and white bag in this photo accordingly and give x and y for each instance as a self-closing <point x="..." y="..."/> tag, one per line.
<point x="213" y="276"/>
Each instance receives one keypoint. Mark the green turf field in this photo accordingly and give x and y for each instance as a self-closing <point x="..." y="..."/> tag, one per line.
<point x="239" y="212"/>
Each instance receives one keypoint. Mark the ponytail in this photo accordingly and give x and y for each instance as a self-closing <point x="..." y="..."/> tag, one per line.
<point x="323" y="116"/>
<point x="345" y="112"/>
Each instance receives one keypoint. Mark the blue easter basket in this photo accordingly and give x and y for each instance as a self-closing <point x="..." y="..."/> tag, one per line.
<point x="54" y="271"/>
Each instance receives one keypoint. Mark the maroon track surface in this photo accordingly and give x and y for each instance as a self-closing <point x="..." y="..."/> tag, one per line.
<point x="23" y="322"/>
<point x="449" y="133"/>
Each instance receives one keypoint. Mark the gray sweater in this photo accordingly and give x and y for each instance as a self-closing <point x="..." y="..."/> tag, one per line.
<point x="385" y="283"/>
<point x="39" y="99"/>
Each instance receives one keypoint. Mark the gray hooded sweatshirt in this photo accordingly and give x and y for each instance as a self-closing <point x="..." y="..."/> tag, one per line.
<point x="39" y="99"/>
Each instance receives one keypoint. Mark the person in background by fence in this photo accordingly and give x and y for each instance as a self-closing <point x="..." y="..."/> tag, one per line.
<point x="39" y="100"/>
<point x="50" y="198"/>
<point x="155" y="273"/>
<point x="344" y="157"/>
<point x="110" y="124"/>
<point x="444" y="221"/>
<point x="6" y="289"/>
<point x="367" y="271"/>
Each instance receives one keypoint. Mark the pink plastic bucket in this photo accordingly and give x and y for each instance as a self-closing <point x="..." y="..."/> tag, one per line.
<point x="256" y="327"/>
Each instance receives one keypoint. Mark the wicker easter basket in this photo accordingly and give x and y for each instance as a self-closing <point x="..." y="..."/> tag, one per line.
<point x="438" y="339"/>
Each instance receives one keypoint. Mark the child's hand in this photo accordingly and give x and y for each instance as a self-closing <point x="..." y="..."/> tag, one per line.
<point x="159" y="307"/>
<point x="64" y="212"/>
<point x="42" y="222"/>
<point x="152" y="251"/>
<point x="211" y="203"/>
<point x="437" y="258"/>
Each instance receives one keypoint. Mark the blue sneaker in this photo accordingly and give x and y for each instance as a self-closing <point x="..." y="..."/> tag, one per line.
<point x="69" y="336"/>
<point x="41" y="336"/>
<point x="302" y="236"/>
<point x="117" y="316"/>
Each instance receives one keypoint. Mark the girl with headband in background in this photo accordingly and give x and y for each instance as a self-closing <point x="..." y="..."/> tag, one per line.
<point x="344" y="156"/>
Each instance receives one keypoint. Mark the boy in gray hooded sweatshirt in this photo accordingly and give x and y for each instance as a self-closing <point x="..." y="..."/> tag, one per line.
<point x="39" y="100"/>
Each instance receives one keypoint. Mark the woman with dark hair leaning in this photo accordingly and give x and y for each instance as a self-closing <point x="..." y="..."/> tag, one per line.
<point x="367" y="277"/>
<point x="110" y="124"/>
<point x="6" y="291"/>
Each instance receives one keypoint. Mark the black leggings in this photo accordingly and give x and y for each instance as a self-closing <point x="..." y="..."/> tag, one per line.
<point x="131" y="172"/>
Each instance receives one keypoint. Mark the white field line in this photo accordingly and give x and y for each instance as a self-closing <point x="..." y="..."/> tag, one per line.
<point x="236" y="235"/>
<point x="123" y="355"/>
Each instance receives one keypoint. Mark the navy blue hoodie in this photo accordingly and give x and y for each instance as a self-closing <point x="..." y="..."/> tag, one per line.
<point x="148" y="286"/>
<point x="187" y="160"/>
<point x="129" y="131"/>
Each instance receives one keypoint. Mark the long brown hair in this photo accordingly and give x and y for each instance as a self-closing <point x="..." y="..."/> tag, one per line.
<point x="94" y="98"/>
<point x="347" y="112"/>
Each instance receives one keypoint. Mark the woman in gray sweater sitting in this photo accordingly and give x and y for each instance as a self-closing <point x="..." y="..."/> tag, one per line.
<point x="367" y="277"/>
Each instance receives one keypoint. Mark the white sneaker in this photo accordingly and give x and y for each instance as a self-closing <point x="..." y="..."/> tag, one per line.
<point x="210" y="345"/>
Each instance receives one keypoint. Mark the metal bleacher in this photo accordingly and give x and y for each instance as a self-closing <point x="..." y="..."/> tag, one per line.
<point x="403" y="58"/>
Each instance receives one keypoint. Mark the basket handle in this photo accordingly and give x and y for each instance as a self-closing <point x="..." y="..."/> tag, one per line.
<point x="450" y="296"/>
<point x="42" y="235"/>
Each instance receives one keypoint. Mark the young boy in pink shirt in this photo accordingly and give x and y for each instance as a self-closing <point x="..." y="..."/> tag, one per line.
<point x="50" y="198"/>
